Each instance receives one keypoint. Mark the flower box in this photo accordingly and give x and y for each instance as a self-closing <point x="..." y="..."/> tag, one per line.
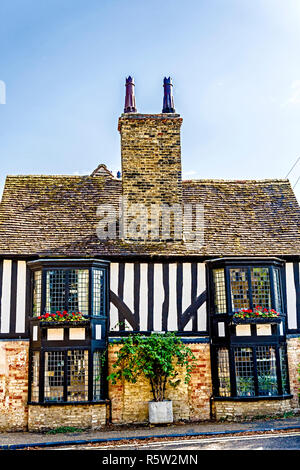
<point x="257" y="315"/>
<point x="243" y="321"/>
<point x="63" y="324"/>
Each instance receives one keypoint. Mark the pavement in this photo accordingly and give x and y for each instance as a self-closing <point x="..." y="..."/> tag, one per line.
<point x="111" y="433"/>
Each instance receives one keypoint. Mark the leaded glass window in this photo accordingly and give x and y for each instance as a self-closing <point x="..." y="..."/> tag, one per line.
<point x="244" y="372"/>
<point x="77" y="375"/>
<point x="249" y="287"/>
<point x="223" y="372"/>
<point x="266" y="370"/>
<point x="54" y="376"/>
<point x="66" y="376"/>
<point x="98" y="292"/>
<point x="67" y="290"/>
<point x="239" y="288"/>
<point x="219" y="291"/>
<point x="256" y="371"/>
<point x="277" y="290"/>
<point x="97" y="371"/>
<point x="283" y="367"/>
<point x="37" y="290"/>
<point x="261" y="289"/>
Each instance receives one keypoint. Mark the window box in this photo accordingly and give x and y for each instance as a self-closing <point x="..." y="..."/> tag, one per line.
<point x="244" y="321"/>
<point x="63" y="324"/>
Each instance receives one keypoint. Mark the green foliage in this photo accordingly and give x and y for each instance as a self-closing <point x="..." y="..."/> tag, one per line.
<point x="158" y="357"/>
<point x="63" y="430"/>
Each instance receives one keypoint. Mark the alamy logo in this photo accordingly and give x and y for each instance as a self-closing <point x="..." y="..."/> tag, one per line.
<point x="155" y="223"/>
<point x="2" y="92"/>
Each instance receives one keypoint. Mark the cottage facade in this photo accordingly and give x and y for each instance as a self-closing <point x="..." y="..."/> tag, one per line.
<point x="146" y="252"/>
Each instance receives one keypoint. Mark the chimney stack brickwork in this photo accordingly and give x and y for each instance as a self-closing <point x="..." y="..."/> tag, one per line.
<point x="151" y="159"/>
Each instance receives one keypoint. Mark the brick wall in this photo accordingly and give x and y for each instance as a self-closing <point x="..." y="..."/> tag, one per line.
<point x="43" y="418"/>
<point x="293" y="352"/>
<point x="239" y="410"/>
<point x="13" y="385"/>
<point x="129" y="402"/>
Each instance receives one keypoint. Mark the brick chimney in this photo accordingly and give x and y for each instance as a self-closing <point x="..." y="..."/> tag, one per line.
<point x="151" y="156"/>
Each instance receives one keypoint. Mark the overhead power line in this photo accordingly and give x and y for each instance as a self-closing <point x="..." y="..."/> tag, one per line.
<point x="293" y="167"/>
<point x="296" y="182"/>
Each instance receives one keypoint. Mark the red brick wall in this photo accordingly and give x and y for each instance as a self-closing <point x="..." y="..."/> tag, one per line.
<point x="13" y="385"/>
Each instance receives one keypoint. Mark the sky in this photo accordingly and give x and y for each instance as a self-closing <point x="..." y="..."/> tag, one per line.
<point x="235" y="66"/>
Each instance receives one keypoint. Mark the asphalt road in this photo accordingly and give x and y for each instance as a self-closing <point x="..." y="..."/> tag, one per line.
<point x="270" y="441"/>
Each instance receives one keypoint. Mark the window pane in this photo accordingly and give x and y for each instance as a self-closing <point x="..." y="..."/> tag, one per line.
<point x="223" y="372"/>
<point x="98" y="292"/>
<point x="73" y="281"/>
<point x="261" y="291"/>
<point x="239" y="288"/>
<point x="266" y="370"/>
<point x="219" y="291"/>
<point x="35" y="370"/>
<point x="56" y="290"/>
<point x="54" y="376"/>
<point x="277" y="290"/>
<point x="78" y="300"/>
<point x="97" y="375"/>
<point x="37" y="288"/>
<point x="283" y="366"/>
<point x="77" y="389"/>
<point x="244" y="372"/>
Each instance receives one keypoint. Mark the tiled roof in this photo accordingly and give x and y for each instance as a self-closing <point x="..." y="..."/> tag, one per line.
<point x="57" y="216"/>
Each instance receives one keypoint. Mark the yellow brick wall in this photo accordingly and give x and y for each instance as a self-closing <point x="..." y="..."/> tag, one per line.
<point x="293" y="352"/>
<point x="239" y="410"/>
<point x="151" y="161"/>
<point x="129" y="402"/>
<point x="43" y="418"/>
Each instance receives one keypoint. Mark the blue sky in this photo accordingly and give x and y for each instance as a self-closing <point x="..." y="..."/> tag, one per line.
<point x="235" y="66"/>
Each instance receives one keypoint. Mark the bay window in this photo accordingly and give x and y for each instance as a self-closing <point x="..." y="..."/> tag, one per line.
<point x="66" y="364"/>
<point x="249" y="359"/>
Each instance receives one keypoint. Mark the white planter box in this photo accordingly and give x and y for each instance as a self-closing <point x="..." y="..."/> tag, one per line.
<point x="160" y="412"/>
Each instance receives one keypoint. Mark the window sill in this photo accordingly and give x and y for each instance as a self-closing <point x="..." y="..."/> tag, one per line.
<point x="266" y="397"/>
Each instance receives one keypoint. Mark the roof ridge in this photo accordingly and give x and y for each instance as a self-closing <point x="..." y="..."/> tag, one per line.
<point x="238" y="181"/>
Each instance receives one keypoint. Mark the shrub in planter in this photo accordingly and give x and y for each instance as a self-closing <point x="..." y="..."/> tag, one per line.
<point x="157" y="357"/>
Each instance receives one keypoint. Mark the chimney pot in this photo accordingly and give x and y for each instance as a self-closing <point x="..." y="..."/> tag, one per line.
<point x="130" y="106"/>
<point x="168" y="102"/>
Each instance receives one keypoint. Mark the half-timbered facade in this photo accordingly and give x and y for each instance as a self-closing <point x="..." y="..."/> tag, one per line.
<point x="239" y="247"/>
